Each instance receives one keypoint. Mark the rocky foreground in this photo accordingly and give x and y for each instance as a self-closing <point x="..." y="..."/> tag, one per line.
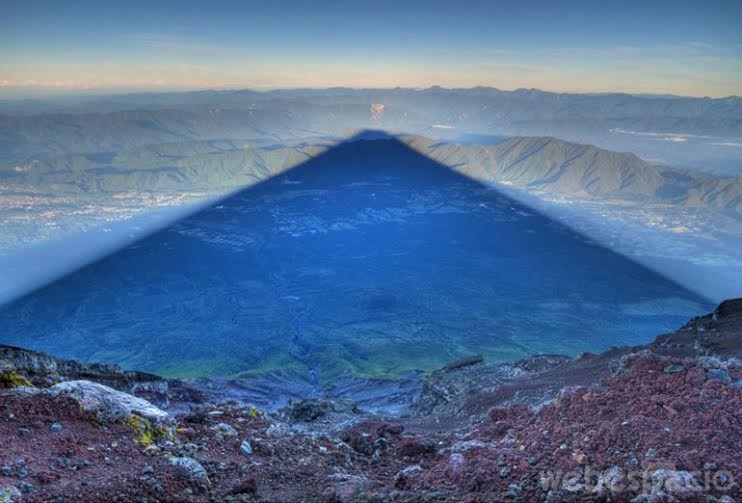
<point x="660" y="422"/>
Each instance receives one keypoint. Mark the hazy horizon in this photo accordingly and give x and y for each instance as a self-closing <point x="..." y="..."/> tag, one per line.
<point x="31" y="92"/>
<point x="679" y="48"/>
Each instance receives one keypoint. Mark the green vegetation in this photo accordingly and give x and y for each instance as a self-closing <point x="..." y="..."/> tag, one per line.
<point x="183" y="369"/>
<point x="276" y="363"/>
<point x="146" y="434"/>
<point x="12" y="379"/>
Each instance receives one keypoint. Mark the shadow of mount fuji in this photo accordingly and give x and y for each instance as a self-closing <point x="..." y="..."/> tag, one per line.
<point x="367" y="260"/>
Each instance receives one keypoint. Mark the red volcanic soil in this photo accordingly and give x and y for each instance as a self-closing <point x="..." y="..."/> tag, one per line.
<point x="638" y="421"/>
<point x="659" y="423"/>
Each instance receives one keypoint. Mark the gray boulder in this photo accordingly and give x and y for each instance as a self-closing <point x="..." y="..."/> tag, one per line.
<point x="676" y="483"/>
<point x="190" y="469"/>
<point x="245" y="448"/>
<point x="10" y="494"/>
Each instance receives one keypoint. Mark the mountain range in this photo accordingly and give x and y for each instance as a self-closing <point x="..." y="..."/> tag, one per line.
<point x="700" y="132"/>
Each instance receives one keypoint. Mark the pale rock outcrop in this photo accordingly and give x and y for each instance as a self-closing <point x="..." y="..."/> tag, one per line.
<point x="108" y="403"/>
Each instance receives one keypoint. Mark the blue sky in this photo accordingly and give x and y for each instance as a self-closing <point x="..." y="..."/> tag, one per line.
<point x="689" y="48"/>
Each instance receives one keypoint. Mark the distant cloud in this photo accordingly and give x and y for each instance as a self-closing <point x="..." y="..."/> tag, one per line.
<point x="58" y="84"/>
<point x="701" y="45"/>
<point x="727" y="144"/>
<point x="176" y="43"/>
<point x="680" y="137"/>
<point x="664" y="136"/>
<point x="518" y="67"/>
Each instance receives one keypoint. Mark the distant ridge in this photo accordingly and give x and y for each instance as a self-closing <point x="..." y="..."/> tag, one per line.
<point x="85" y="124"/>
<point x="585" y="171"/>
<point x="534" y="163"/>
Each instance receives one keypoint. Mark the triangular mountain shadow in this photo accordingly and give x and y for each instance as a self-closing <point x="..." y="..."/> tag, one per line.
<point x="369" y="259"/>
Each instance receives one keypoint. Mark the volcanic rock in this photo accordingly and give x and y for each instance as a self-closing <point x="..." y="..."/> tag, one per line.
<point x="109" y="404"/>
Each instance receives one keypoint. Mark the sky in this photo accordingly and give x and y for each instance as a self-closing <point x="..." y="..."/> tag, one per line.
<point x="691" y="48"/>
